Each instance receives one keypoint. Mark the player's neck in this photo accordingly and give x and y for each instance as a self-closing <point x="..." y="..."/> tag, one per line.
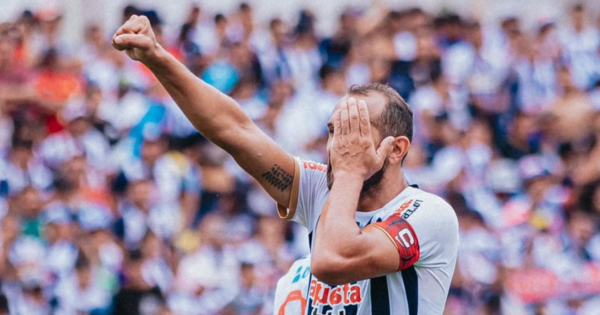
<point x="388" y="190"/>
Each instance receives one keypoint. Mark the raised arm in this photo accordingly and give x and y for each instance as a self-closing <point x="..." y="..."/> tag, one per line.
<point x="213" y="113"/>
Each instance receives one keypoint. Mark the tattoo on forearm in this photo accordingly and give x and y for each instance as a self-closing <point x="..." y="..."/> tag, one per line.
<point x="278" y="177"/>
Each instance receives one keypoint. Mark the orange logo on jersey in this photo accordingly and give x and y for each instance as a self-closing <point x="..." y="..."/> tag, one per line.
<point x="348" y="294"/>
<point x="314" y="166"/>
<point x="404" y="206"/>
<point x="293" y="297"/>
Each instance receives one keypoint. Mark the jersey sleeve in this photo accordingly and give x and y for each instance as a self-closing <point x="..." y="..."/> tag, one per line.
<point x="308" y="187"/>
<point x="402" y="234"/>
<point x="425" y="233"/>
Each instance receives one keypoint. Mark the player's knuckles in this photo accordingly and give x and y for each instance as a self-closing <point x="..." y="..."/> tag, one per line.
<point x="128" y="28"/>
<point x="136" y="24"/>
<point x="143" y="21"/>
<point x="138" y="18"/>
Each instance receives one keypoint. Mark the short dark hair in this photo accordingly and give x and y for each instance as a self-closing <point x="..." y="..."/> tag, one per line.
<point x="397" y="117"/>
<point x="274" y="22"/>
<point x="220" y="18"/>
<point x="327" y="70"/>
<point x="578" y="7"/>
<point x="244" y="6"/>
<point x="130" y="10"/>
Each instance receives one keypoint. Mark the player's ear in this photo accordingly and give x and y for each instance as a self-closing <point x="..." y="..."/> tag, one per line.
<point x="400" y="150"/>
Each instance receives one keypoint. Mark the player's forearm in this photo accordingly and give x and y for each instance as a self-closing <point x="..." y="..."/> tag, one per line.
<point x="337" y="234"/>
<point x="213" y="113"/>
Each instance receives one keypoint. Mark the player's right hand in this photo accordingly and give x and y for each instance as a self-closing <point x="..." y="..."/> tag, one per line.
<point x="352" y="149"/>
<point x="137" y="39"/>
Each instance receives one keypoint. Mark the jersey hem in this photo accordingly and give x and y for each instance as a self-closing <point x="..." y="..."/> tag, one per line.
<point x="287" y="213"/>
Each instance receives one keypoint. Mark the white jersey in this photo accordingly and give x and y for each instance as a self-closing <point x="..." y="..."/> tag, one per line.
<point x="422" y="226"/>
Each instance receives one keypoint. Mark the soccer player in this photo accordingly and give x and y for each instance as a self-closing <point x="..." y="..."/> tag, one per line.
<point x="379" y="246"/>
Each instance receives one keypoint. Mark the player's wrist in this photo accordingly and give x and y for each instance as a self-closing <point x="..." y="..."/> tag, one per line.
<point x="156" y="57"/>
<point x="348" y="176"/>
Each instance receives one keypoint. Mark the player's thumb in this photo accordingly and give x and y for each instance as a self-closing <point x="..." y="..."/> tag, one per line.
<point x="386" y="147"/>
<point x="127" y="41"/>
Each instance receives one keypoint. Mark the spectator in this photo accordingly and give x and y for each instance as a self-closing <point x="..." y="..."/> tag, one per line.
<point x="136" y="296"/>
<point x="81" y="291"/>
<point x="580" y="42"/>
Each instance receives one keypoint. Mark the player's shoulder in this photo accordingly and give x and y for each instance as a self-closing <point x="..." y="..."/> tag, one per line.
<point x="435" y="206"/>
<point x="436" y="224"/>
<point x="425" y="196"/>
<point x="308" y="165"/>
<point x="311" y="173"/>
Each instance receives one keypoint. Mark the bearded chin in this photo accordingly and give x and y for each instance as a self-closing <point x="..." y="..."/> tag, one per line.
<point x="370" y="186"/>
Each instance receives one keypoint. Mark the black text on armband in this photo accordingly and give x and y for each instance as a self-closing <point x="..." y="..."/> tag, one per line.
<point x="278" y="177"/>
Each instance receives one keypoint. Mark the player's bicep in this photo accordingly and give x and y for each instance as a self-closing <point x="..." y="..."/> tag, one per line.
<point x="267" y="162"/>
<point x="372" y="255"/>
<point x="386" y="247"/>
<point x="383" y="248"/>
<point x="398" y="232"/>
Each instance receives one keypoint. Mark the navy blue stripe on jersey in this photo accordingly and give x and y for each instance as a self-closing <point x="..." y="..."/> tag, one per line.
<point x="380" y="296"/>
<point x="411" y="287"/>
<point x="309" y="307"/>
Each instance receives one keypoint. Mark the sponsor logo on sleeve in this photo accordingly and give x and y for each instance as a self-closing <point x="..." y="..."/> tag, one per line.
<point x="404" y="206"/>
<point x="314" y="166"/>
<point x="408" y="208"/>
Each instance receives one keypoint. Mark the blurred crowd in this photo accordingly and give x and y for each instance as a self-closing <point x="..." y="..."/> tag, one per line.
<point x="111" y="202"/>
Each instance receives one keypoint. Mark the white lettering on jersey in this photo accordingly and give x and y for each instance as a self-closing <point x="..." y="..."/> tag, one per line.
<point x="402" y="239"/>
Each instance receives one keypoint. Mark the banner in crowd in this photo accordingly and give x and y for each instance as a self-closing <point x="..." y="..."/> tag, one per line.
<point x="540" y="285"/>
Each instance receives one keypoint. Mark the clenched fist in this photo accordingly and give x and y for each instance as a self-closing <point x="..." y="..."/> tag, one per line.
<point x="137" y="39"/>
